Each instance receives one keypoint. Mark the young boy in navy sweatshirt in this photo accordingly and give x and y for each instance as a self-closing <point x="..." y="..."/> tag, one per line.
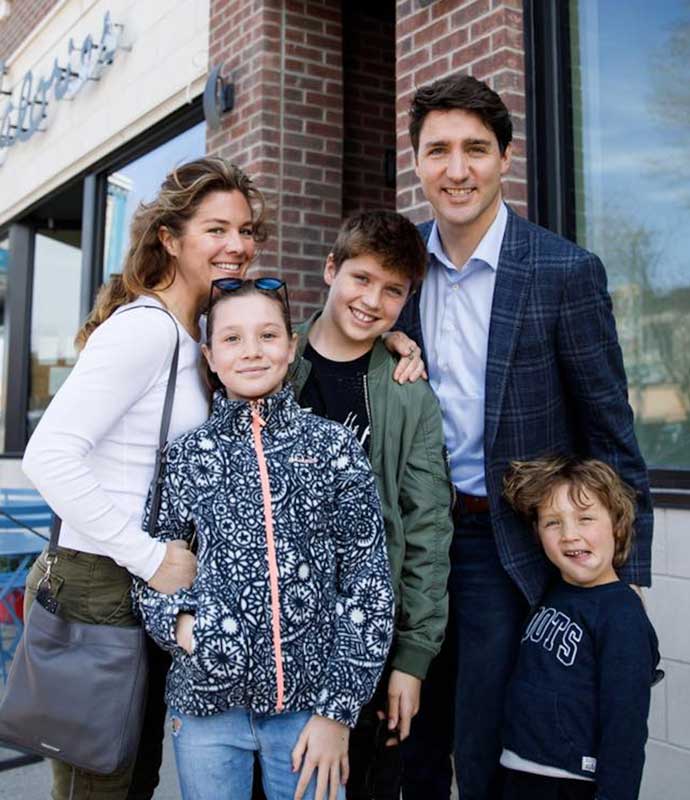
<point x="577" y="705"/>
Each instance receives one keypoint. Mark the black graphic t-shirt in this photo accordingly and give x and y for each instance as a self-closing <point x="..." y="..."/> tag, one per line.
<point x="337" y="390"/>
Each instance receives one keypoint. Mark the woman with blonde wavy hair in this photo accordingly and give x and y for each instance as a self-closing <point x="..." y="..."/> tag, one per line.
<point x="92" y="454"/>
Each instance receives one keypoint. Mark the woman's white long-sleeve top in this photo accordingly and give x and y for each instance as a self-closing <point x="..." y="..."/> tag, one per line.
<point x="92" y="454"/>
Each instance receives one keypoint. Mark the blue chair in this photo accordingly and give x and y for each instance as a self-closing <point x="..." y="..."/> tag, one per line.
<point x="24" y="529"/>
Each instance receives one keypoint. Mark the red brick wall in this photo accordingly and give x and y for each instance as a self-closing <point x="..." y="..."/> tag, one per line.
<point x="483" y="38"/>
<point x="311" y="125"/>
<point x="369" y="105"/>
<point x="244" y="37"/>
<point x="23" y="18"/>
<point x="286" y="128"/>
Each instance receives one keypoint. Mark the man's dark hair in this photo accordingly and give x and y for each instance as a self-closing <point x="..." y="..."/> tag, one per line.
<point x="387" y="236"/>
<point x="467" y="94"/>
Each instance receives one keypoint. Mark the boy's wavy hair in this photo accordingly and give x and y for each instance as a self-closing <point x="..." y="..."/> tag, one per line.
<point x="147" y="264"/>
<point x="529" y="484"/>
<point x="388" y="237"/>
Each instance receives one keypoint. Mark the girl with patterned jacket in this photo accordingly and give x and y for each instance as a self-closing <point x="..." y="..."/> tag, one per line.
<point x="283" y="636"/>
<point x="93" y="453"/>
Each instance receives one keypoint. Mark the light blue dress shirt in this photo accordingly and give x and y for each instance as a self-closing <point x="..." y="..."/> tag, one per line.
<point x="455" y="307"/>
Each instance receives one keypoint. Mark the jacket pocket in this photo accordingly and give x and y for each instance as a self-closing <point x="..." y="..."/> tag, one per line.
<point x="578" y="720"/>
<point x="533" y="727"/>
<point x="219" y="659"/>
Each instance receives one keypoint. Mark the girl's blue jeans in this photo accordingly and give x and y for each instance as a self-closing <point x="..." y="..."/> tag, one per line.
<point x="215" y="754"/>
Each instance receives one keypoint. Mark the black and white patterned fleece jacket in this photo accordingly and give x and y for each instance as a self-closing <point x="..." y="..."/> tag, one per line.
<point x="293" y="601"/>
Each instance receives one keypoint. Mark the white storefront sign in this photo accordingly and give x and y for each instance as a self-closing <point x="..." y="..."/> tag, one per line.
<point x="26" y="111"/>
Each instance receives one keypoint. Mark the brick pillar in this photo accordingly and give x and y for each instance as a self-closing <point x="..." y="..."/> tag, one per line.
<point x="483" y="38"/>
<point x="22" y="19"/>
<point x="286" y="129"/>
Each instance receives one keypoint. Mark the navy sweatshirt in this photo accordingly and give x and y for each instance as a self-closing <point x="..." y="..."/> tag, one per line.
<point x="579" y="697"/>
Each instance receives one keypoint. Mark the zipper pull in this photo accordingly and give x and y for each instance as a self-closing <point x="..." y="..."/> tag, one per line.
<point x="257" y="407"/>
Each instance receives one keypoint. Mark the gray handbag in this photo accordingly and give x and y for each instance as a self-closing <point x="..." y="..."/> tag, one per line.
<point x="76" y="692"/>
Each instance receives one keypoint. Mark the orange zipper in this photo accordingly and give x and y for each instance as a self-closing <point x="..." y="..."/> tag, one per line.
<point x="257" y="424"/>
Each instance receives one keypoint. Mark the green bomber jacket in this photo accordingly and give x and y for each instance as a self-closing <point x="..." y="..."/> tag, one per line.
<point x="407" y="454"/>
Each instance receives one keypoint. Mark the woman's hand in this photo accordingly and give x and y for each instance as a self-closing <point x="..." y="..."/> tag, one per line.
<point x="177" y="570"/>
<point x="410" y="367"/>
<point x="323" y="745"/>
<point x="183" y="631"/>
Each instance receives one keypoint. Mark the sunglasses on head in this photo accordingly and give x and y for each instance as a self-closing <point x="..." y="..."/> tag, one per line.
<point x="223" y="286"/>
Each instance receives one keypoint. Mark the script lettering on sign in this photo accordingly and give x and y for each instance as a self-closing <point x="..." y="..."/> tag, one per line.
<point x="26" y="110"/>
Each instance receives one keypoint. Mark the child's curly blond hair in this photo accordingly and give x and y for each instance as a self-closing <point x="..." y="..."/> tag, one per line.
<point x="529" y="484"/>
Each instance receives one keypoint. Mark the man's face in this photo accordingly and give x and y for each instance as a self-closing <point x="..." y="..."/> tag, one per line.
<point x="460" y="165"/>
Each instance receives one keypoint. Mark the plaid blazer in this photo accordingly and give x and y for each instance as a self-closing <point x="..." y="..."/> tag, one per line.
<point x="555" y="384"/>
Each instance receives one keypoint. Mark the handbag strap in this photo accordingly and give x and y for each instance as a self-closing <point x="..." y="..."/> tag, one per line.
<point x="161" y="452"/>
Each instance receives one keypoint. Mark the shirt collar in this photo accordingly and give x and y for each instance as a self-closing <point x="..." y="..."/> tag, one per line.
<point x="488" y="250"/>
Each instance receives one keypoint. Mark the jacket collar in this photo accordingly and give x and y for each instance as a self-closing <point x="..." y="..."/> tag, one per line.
<point x="235" y="416"/>
<point x="513" y="279"/>
<point x="379" y="353"/>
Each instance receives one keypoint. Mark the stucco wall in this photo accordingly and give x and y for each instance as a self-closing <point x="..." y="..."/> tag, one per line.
<point x="165" y="68"/>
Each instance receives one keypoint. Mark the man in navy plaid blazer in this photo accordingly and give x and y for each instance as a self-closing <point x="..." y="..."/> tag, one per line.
<point x="517" y="331"/>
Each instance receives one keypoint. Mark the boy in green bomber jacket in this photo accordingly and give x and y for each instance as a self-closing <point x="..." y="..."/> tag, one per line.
<point x="345" y="373"/>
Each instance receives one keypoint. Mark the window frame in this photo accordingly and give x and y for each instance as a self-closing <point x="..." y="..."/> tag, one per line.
<point x="22" y="234"/>
<point x="551" y="162"/>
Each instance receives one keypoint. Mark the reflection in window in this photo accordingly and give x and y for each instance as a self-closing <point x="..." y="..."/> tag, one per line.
<point x="631" y="110"/>
<point x="54" y="317"/>
<point x="138" y="182"/>
<point x="4" y="267"/>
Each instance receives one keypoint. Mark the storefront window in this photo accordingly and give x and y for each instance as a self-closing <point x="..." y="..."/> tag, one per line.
<point x="4" y="266"/>
<point x="54" y="316"/>
<point x="631" y="114"/>
<point x="138" y="182"/>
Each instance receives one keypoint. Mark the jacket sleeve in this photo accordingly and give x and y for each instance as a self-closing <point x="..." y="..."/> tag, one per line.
<point x="592" y="368"/>
<point x="121" y="362"/>
<point x="159" y="611"/>
<point x="364" y="595"/>
<point x="626" y="659"/>
<point x="425" y="500"/>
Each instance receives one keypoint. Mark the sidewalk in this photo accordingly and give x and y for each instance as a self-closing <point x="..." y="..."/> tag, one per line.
<point x="33" y="782"/>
